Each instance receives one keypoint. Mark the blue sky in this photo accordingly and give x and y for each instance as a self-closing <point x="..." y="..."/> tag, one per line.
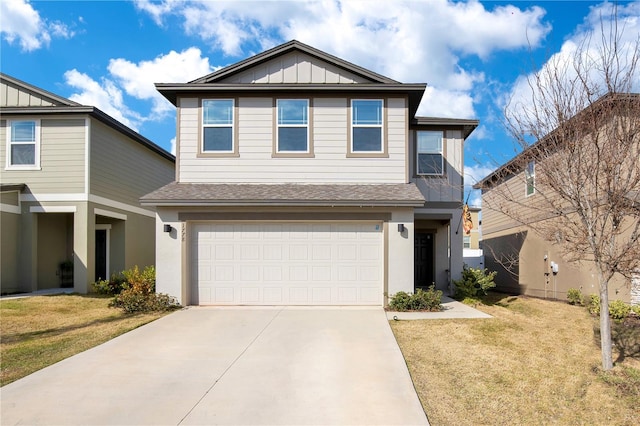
<point x="473" y="55"/>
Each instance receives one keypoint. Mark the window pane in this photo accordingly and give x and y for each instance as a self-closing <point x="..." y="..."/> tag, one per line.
<point x="292" y="139"/>
<point x="292" y="111"/>
<point x="430" y="164"/>
<point x="367" y="112"/>
<point x="367" y="139"/>
<point x="23" y="131"/>
<point x="23" y="154"/>
<point x="430" y="142"/>
<point x="218" y="139"/>
<point x="217" y="111"/>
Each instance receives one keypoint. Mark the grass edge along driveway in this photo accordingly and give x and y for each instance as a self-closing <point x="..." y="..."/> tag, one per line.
<point x="39" y="331"/>
<point x="534" y="362"/>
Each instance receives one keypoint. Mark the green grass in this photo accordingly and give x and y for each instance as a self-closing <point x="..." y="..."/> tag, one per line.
<point x="534" y="362"/>
<point x="36" y="332"/>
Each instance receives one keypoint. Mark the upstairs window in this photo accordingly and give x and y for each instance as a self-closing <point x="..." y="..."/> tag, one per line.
<point x="217" y="126"/>
<point x="466" y="241"/>
<point x="430" y="158"/>
<point x="530" y="178"/>
<point x="23" y="142"/>
<point x="366" y="126"/>
<point x="293" y="125"/>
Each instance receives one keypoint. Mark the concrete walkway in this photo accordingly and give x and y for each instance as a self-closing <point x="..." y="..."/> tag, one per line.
<point x="232" y="366"/>
<point x="452" y="309"/>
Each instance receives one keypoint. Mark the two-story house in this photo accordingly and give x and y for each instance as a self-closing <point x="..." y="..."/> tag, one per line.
<point x="518" y="199"/>
<point x="305" y="179"/>
<point x="70" y="182"/>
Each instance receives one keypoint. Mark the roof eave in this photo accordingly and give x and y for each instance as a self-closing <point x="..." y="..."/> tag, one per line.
<point x="99" y="115"/>
<point x="271" y="203"/>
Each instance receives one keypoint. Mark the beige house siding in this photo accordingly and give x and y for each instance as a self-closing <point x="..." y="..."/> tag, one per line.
<point x="11" y="96"/>
<point x="10" y="226"/>
<point x="122" y="170"/>
<point x="445" y="188"/>
<point x="510" y="253"/>
<point x="256" y="163"/>
<point x="62" y="157"/>
<point x="295" y="67"/>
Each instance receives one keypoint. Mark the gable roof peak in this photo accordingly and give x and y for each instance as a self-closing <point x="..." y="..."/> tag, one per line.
<point x="48" y="96"/>
<point x="282" y="49"/>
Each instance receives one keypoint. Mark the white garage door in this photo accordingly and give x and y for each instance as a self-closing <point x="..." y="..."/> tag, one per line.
<point x="287" y="264"/>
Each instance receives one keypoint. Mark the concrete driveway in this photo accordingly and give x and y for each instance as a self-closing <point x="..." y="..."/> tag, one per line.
<point x="251" y="366"/>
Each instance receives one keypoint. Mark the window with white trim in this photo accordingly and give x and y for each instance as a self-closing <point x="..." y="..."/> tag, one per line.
<point x="466" y="241"/>
<point x="429" y="155"/>
<point x="292" y="118"/>
<point x="217" y="126"/>
<point x="530" y="178"/>
<point x="23" y="144"/>
<point x="366" y="125"/>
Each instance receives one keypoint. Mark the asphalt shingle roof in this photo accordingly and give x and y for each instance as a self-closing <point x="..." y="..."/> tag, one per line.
<point x="405" y="194"/>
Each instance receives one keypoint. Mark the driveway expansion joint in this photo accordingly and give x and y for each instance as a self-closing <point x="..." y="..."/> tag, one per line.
<point x="231" y="365"/>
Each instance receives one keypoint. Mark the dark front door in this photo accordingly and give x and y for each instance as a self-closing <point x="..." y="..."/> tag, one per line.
<point x="101" y="254"/>
<point x="423" y="260"/>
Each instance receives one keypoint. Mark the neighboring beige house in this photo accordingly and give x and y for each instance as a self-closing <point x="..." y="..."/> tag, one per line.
<point x="71" y="178"/>
<point x="527" y="263"/>
<point x="303" y="179"/>
<point x="471" y="252"/>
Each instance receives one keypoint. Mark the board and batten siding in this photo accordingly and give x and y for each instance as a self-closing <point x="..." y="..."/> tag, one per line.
<point x="11" y="96"/>
<point x="445" y="188"/>
<point x="62" y="157"/>
<point x="122" y="169"/>
<point x="295" y="67"/>
<point x="255" y="164"/>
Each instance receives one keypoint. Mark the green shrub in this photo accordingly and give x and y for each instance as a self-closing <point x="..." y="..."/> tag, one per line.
<point x="594" y="304"/>
<point x="138" y="293"/>
<point x="636" y="309"/>
<point x="618" y="310"/>
<point x="111" y="287"/>
<point x="421" y="300"/>
<point x="131" y="301"/>
<point x="474" y="283"/>
<point x="575" y="297"/>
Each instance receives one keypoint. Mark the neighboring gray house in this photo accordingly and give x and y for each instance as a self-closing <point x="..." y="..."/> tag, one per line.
<point x="304" y="179"/>
<point x="71" y="178"/>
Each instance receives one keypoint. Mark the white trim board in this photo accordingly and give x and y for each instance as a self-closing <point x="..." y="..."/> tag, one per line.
<point x="9" y="208"/>
<point x="52" y="209"/>
<point x="79" y="197"/>
<point x="107" y="213"/>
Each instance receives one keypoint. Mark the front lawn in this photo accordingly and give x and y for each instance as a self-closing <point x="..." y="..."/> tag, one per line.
<point x="39" y="331"/>
<point x="534" y="362"/>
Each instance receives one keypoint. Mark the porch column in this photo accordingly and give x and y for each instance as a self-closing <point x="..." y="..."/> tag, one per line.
<point x="83" y="248"/>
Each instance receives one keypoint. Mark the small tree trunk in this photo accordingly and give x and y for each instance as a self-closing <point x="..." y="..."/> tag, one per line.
<point x="605" y="328"/>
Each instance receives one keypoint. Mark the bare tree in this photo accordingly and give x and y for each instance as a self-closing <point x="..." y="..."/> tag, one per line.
<point x="579" y="129"/>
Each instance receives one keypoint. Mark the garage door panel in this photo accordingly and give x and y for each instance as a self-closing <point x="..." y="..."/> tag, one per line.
<point x="279" y="264"/>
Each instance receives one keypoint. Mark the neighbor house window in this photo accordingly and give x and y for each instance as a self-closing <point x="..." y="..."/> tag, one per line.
<point x="530" y="178"/>
<point x="217" y="126"/>
<point x="23" y="143"/>
<point x="292" y="118"/>
<point x="466" y="241"/>
<point x="366" y="126"/>
<point x="430" y="159"/>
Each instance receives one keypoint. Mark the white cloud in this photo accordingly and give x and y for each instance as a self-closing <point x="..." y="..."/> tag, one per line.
<point x="138" y="79"/>
<point x="587" y="44"/>
<point x="410" y="41"/>
<point x="475" y="173"/>
<point x="172" y="144"/>
<point x="104" y="95"/>
<point x="20" y="22"/>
